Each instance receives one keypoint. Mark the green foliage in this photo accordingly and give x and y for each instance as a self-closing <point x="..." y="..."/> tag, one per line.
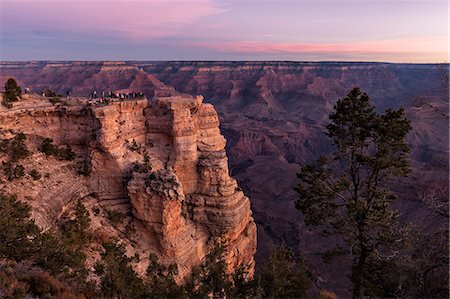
<point x="85" y="168"/>
<point x="12" y="171"/>
<point x="19" y="171"/>
<point x="63" y="253"/>
<point x="243" y="285"/>
<point x="18" y="232"/>
<point x="57" y="252"/>
<point x="211" y="277"/>
<point x="13" y="93"/>
<point x="22" y="280"/>
<point x="48" y="147"/>
<point x="347" y="193"/>
<point x="36" y="175"/>
<point x="421" y="273"/>
<point x="7" y="104"/>
<point x="135" y="147"/>
<point x="117" y="277"/>
<point x="115" y="217"/>
<point x="54" y="99"/>
<point x="15" y="148"/>
<point x="160" y="280"/>
<point x="66" y="153"/>
<point x="147" y="164"/>
<point x="18" y="150"/>
<point x="283" y="276"/>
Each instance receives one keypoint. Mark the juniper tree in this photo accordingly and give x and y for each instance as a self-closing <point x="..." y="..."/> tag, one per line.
<point x="347" y="193"/>
<point x="18" y="231"/>
<point x="12" y="92"/>
<point x="284" y="275"/>
<point x="117" y="277"/>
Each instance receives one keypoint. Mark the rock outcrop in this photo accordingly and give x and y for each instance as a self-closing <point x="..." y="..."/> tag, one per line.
<point x="161" y="164"/>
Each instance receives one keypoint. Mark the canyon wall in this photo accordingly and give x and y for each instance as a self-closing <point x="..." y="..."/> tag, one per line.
<point x="160" y="164"/>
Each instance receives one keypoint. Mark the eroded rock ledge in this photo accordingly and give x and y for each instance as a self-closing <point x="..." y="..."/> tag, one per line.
<point x="175" y="209"/>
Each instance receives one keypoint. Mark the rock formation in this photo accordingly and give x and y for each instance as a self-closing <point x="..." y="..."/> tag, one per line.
<point x="161" y="164"/>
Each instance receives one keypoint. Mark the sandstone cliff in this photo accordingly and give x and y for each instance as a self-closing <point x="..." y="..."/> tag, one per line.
<point x="161" y="165"/>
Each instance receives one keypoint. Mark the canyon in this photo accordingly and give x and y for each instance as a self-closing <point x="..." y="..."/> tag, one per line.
<point x="159" y="166"/>
<point x="272" y="115"/>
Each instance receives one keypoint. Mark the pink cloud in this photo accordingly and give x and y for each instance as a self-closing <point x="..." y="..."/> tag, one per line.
<point x="437" y="44"/>
<point x="131" y="19"/>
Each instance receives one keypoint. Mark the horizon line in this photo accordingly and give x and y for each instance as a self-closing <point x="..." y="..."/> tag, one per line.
<point x="219" y="60"/>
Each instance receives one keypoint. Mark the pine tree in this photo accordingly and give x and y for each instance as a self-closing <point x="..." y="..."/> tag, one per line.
<point x="161" y="280"/>
<point x="17" y="229"/>
<point x="117" y="277"/>
<point x="211" y="278"/>
<point x="12" y="92"/>
<point x="347" y="194"/>
<point x="284" y="276"/>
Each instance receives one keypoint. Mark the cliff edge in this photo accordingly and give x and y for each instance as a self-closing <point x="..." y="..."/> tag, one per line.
<point x="153" y="174"/>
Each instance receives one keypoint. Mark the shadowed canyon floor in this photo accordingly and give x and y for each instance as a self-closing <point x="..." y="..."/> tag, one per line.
<point x="272" y="115"/>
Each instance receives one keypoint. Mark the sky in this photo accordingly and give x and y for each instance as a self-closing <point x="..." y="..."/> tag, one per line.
<point x="413" y="31"/>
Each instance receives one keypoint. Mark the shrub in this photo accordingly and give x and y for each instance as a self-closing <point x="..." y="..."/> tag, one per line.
<point x="36" y="175"/>
<point x="66" y="153"/>
<point x="12" y="93"/>
<point x="18" y="231"/>
<point x="117" y="277"/>
<point x="85" y="169"/>
<point x="135" y="147"/>
<point x="54" y="100"/>
<point x="48" y="147"/>
<point x="19" y="171"/>
<point x="115" y="217"/>
<point x="12" y="171"/>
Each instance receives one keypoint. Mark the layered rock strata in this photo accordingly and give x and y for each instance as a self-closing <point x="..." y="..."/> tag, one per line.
<point x="162" y="164"/>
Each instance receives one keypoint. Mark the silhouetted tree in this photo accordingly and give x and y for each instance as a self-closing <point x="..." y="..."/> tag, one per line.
<point x="117" y="277"/>
<point x="211" y="278"/>
<point x="160" y="280"/>
<point x="283" y="276"/>
<point x="347" y="194"/>
<point x="18" y="231"/>
<point x="13" y="93"/>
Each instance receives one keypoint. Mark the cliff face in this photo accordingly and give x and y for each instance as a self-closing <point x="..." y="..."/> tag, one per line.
<point x="161" y="166"/>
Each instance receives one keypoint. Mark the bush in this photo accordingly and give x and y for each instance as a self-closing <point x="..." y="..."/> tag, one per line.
<point x="284" y="276"/>
<point x="85" y="169"/>
<point x="117" y="277"/>
<point x="49" y="93"/>
<point x="18" y="149"/>
<point x="54" y="100"/>
<point x="19" y="171"/>
<point x="115" y="217"/>
<point x="48" y="147"/>
<point x="18" y="231"/>
<point x="66" y="153"/>
<point x="12" y="93"/>
<point x="22" y="280"/>
<point x="13" y="171"/>
<point x="135" y="147"/>
<point x="35" y="174"/>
